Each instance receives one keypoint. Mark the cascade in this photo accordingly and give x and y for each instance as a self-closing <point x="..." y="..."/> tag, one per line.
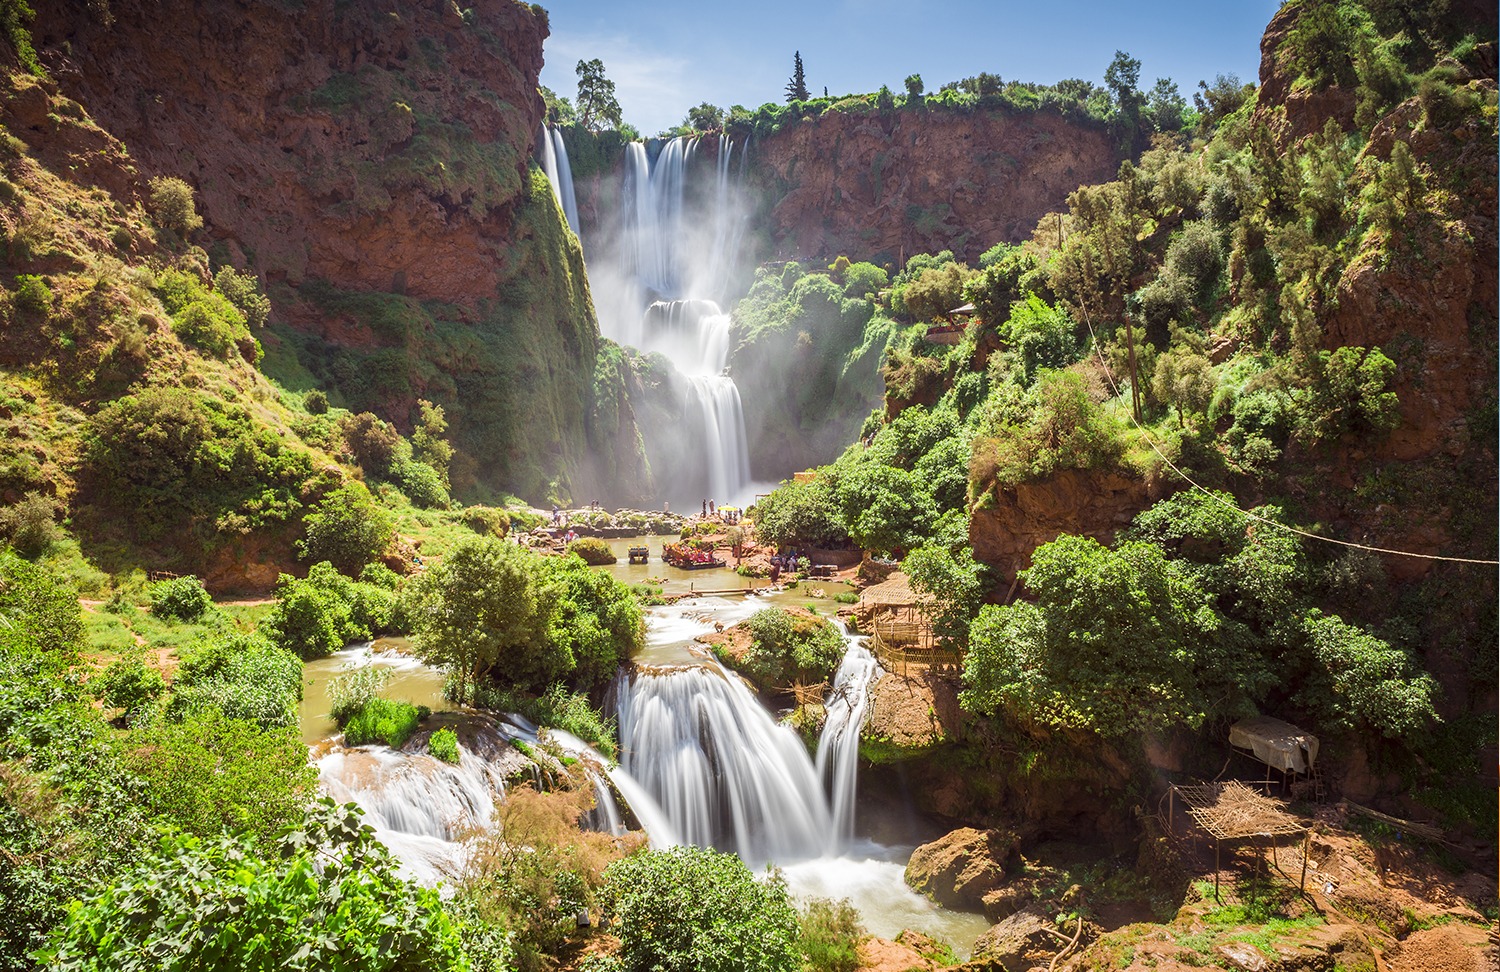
<point x="721" y="772"/>
<point x="555" y="163"/>
<point x="659" y="291"/>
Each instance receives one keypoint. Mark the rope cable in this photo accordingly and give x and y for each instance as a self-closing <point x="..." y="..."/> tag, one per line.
<point x="1151" y="440"/>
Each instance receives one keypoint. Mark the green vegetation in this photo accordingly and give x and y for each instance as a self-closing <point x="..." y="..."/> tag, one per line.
<point x="494" y="611"/>
<point x="791" y="648"/>
<point x="319" y="615"/>
<point x="829" y="935"/>
<point x="331" y="898"/>
<point x="180" y="599"/>
<point x="444" y="745"/>
<point x="382" y="720"/>
<point x="595" y="552"/>
<point x="694" y="909"/>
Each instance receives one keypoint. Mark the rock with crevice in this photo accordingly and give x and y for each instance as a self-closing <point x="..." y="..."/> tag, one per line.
<point x="958" y="869"/>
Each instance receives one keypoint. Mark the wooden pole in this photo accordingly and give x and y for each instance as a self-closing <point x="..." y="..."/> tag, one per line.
<point x="1216" y="871"/>
<point x="1306" y="847"/>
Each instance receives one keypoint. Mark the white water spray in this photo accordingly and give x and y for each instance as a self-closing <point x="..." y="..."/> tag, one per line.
<point x="555" y="163"/>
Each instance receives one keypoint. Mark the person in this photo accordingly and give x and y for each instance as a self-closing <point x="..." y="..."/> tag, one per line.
<point x="554" y="514"/>
<point x="705" y="507"/>
<point x="711" y="508"/>
<point x="775" y="569"/>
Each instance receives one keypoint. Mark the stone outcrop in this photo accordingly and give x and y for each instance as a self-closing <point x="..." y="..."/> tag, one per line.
<point x="958" y="869"/>
<point x="896" y="183"/>
<point x="1018" y="943"/>
<point x="1093" y="503"/>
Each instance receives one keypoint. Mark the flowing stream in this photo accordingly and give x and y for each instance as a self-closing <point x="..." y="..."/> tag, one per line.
<point x="702" y="762"/>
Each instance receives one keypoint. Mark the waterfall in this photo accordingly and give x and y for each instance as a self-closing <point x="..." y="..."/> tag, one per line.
<point x="564" y="181"/>
<point x="555" y="163"/>
<point x="719" y="771"/>
<point x="659" y="292"/>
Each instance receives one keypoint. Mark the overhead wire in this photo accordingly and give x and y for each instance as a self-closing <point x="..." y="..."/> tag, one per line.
<point x="1215" y="497"/>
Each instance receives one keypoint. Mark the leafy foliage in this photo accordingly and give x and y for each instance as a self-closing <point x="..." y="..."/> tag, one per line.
<point x="172" y="205"/>
<point x="241" y="676"/>
<point x="347" y="528"/>
<point x="785" y="648"/>
<point x="444" y="745"/>
<point x="593" y="551"/>
<point x="319" y="615"/>
<point x="382" y="720"/>
<point x="690" y="908"/>
<point x="128" y="684"/>
<point x="829" y="936"/>
<point x="180" y="599"/>
<point x="332" y="899"/>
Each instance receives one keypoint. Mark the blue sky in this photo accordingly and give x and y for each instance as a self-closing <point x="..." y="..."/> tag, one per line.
<point x="669" y="55"/>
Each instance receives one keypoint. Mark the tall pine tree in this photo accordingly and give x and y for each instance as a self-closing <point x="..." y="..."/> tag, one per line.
<point x="796" y="89"/>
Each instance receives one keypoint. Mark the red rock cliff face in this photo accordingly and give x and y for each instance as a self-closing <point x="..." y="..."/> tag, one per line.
<point x="377" y="146"/>
<point x="906" y="182"/>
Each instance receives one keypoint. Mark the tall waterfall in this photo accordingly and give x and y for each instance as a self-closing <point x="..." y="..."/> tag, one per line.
<point x="719" y="771"/>
<point x="555" y="163"/>
<point x="658" y="290"/>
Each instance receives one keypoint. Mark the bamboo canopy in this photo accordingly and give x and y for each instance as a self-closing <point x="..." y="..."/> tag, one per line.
<point x="893" y="592"/>
<point x="1233" y="811"/>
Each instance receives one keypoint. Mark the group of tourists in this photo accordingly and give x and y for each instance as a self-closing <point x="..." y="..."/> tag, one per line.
<point x="783" y="562"/>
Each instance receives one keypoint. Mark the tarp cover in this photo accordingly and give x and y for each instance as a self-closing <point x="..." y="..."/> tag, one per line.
<point x="1277" y="744"/>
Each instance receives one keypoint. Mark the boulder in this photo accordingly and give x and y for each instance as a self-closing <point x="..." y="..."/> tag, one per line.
<point x="960" y="868"/>
<point x="1018" y="943"/>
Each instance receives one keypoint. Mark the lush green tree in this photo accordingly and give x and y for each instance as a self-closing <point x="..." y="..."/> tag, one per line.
<point x="331" y="899"/>
<point x="952" y="585"/>
<point x="370" y="441"/>
<point x="38" y="614"/>
<point x="936" y="291"/>
<point x="1349" y="389"/>
<point x="172" y="205"/>
<point x="319" y="615"/>
<point x="864" y="280"/>
<point x="595" y="623"/>
<point x="705" y="118"/>
<point x="482" y="608"/>
<point x="1359" y="682"/>
<point x="690" y="909"/>
<point x="830" y="935"/>
<point x="347" y="528"/>
<point x="1041" y="334"/>
<point x="887" y="508"/>
<point x="1217" y="101"/>
<point x="559" y="108"/>
<point x="1122" y="78"/>
<point x="786" y="649"/>
<point x="1165" y="106"/>
<point x="598" y="108"/>
<point x="914" y="89"/>
<point x="1117" y="642"/>
<point x="801" y="514"/>
<point x="1184" y="379"/>
<point x="243" y="291"/>
<point x="796" y="88"/>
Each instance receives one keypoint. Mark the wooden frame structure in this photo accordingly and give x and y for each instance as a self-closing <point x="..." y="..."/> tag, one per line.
<point x="1234" y="812"/>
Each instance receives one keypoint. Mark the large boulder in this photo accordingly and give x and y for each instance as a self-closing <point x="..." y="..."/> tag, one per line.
<point x="958" y="869"/>
<point x="1018" y="943"/>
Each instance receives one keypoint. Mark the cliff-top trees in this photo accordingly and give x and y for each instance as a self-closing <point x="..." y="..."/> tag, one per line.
<point x="796" y="88"/>
<point x="597" y="108"/>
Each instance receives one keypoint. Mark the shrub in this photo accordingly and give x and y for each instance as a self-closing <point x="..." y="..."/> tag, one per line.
<point x="348" y="529"/>
<point x="180" y="599"/>
<point x="420" y="482"/>
<point x="29" y="526"/>
<point x="172" y="205"/>
<point x="316" y="402"/>
<point x="690" y="909"/>
<point x="243" y="291"/>
<point x="444" y="745"/>
<point x="128" y="684"/>
<point x="784" y="648"/>
<point x="595" y="552"/>
<point x="829" y="935"/>
<point x="353" y="689"/>
<point x="382" y="720"/>
<point x="32" y="294"/>
<point x="370" y="441"/>
<point x="271" y="907"/>
<point x="487" y="521"/>
<point x="244" y="677"/>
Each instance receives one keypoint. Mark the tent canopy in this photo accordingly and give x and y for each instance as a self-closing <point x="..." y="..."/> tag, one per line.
<point x="1278" y="744"/>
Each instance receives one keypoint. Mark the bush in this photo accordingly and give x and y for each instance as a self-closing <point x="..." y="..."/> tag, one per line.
<point x="32" y="294"/>
<point x="595" y="552"/>
<point x="829" y="935"/>
<point x="353" y="689"/>
<point x="444" y="745"/>
<point x="29" y="525"/>
<point x="785" y="648"/>
<point x="487" y="521"/>
<point x="382" y="720"/>
<point x="128" y="684"/>
<point x="243" y="291"/>
<point x="172" y="205"/>
<point x="316" y="402"/>
<point x="180" y="599"/>
<point x="270" y="907"/>
<point x="690" y="909"/>
<point x="371" y="442"/>
<point x="242" y="676"/>
<point x="348" y="529"/>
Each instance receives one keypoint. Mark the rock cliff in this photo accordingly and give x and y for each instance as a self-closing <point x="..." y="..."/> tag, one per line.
<point x="892" y="184"/>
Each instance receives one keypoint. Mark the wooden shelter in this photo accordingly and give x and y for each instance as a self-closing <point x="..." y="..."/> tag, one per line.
<point x="899" y="625"/>
<point x="1234" y="812"/>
